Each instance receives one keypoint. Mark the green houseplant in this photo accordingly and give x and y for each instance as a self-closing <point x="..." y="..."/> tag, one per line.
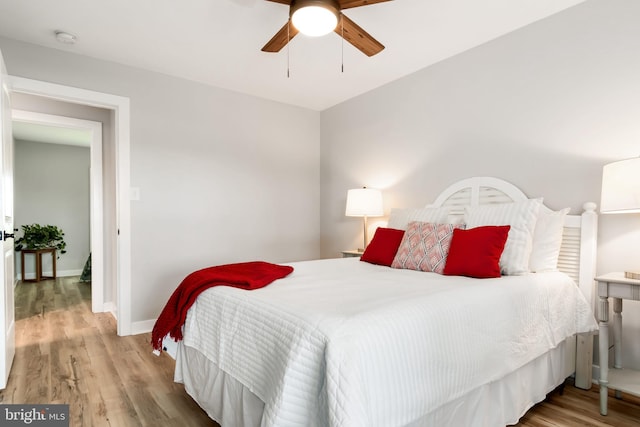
<point x="36" y="236"/>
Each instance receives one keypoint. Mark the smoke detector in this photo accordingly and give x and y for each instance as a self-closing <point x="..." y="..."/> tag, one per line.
<point x="66" y="38"/>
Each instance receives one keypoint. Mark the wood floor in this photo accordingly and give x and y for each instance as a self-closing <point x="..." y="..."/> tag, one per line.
<point x="66" y="354"/>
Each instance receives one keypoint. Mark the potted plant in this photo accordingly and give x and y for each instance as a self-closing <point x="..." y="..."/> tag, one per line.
<point x="36" y="236"/>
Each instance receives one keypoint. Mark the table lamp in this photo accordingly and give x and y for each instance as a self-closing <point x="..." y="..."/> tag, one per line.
<point x="364" y="202"/>
<point x="621" y="192"/>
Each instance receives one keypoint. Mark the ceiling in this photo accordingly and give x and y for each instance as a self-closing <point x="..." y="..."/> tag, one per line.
<point x="217" y="42"/>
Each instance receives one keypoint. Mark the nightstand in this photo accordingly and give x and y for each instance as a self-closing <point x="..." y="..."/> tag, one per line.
<point x="618" y="287"/>
<point x="349" y="254"/>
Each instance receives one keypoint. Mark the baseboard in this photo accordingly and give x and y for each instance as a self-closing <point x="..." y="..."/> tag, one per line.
<point x="65" y="273"/>
<point x="110" y="307"/>
<point x="142" y="327"/>
<point x="59" y="273"/>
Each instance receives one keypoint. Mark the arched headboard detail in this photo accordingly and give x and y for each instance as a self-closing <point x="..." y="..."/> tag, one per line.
<point x="478" y="191"/>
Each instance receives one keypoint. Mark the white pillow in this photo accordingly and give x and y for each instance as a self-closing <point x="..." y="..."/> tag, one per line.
<point x="400" y="218"/>
<point x="522" y="217"/>
<point x="547" y="240"/>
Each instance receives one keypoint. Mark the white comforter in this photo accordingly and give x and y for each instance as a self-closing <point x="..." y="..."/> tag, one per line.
<point x="345" y="343"/>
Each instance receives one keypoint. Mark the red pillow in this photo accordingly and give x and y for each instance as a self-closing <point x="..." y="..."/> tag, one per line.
<point x="476" y="252"/>
<point x="383" y="246"/>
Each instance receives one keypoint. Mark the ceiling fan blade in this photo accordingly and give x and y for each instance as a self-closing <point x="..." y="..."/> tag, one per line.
<point x="281" y="1"/>
<point x="358" y="37"/>
<point x="280" y="40"/>
<point x="348" y="4"/>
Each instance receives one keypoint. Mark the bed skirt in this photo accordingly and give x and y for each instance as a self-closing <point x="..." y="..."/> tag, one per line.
<point x="496" y="404"/>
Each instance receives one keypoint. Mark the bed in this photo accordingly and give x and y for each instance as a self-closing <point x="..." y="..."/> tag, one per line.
<point x="342" y="342"/>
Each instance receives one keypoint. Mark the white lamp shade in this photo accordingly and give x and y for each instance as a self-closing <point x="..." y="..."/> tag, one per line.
<point x="621" y="187"/>
<point x="364" y="202"/>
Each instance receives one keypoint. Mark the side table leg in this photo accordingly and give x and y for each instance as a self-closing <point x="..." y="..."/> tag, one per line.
<point x="617" y="337"/>
<point x="22" y="269"/>
<point x="54" y="257"/>
<point x="617" y="333"/>
<point x="38" y="266"/>
<point x="603" y="352"/>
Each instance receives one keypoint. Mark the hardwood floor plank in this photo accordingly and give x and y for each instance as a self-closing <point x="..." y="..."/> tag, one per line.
<point x="578" y="407"/>
<point x="37" y="377"/>
<point x="66" y="354"/>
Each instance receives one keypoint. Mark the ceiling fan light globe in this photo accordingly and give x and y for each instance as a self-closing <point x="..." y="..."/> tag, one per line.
<point x="314" y="21"/>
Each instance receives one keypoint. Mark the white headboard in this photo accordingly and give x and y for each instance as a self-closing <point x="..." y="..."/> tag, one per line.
<point x="578" y="251"/>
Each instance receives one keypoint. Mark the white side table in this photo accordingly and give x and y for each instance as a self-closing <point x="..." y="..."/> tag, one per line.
<point x="348" y="254"/>
<point x="618" y="287"/>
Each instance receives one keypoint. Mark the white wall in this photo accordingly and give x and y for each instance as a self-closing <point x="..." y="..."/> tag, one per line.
<point x="544" y="107"/>
<point x="51" y="186"/>
<point x="223" y="177"/>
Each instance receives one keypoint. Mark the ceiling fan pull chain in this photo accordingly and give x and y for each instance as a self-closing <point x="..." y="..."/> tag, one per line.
<point x="342" y="45"/>
<point x="288" y="44"/>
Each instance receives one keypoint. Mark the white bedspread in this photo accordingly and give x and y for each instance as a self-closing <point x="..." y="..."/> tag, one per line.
<point x="345" y="343"/>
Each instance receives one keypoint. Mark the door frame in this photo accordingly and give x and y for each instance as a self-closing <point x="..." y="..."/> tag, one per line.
<point x="96" y="197"/>
<point x="121" y="113"/>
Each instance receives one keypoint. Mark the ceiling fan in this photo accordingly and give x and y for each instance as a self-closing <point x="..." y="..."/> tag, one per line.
<point x="329" y="13"/>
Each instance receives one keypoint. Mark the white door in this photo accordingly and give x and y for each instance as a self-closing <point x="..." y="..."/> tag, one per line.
<point x="7" y="317"/>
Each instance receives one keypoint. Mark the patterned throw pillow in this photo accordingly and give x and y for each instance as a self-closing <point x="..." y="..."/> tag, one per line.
<point x="425" y="246"/>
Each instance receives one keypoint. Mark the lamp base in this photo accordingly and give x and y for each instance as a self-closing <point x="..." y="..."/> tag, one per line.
<point x="632" y="275"/>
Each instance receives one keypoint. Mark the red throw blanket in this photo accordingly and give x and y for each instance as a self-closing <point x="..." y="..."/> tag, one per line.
<point x="246" y="275"/>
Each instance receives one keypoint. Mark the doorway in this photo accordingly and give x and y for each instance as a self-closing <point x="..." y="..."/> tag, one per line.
<point x="116" y="210"/>
<point x="78" y="135"/>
